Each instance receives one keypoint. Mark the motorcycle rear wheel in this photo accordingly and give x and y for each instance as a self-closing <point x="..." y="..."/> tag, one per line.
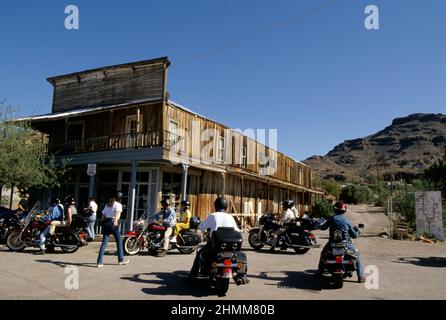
<point x="14" y="243"/>
<point x="338" y="280"/>
<point x="301" y="250"/>
<point x="73" y="243"/>
<point x="186" y="251"/>
<point x="222" y="286"/>
<point x="131" y="246"/>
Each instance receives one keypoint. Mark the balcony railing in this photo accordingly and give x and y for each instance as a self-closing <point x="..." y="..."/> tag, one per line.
<point x="147" y="139"/>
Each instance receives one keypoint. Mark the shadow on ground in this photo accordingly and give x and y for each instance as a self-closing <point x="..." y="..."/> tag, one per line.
<point x="63" y="264"/>
<point x="171" y="283"/>
<point x="433" y="262"/>
<point x="304" y="280"/>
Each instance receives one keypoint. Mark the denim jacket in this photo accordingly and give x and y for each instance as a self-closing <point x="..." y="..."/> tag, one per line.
<point x="340" y="222"/>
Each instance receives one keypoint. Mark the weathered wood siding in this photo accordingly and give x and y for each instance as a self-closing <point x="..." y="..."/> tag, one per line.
<point x="191" y="127"/>
<point x="109" y="85"/>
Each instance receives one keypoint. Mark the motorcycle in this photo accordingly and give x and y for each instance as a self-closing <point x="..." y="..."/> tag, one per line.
<point x="151" y="236"/>
<point x="297" y="235"/>
<point x="9" y="219"/>
<point x="339" y="260"/>
<point x="27" y="234"/>
<point x="226" y="261"/>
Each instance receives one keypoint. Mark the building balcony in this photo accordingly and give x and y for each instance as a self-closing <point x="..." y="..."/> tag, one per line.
<point x="114" y="142"/>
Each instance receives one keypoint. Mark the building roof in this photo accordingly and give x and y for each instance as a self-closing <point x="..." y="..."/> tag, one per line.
<point x="52" y="80"/>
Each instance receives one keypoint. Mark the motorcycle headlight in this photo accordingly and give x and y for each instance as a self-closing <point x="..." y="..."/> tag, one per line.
<point x="223" y="246"/>
<point x="234" y="246"/>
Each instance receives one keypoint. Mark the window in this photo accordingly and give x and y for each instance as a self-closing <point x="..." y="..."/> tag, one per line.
<point x="244" y="161"/>
<point x="75" y="131"/>
<point x="172" y="135"/>
<point x="221" y="150"/>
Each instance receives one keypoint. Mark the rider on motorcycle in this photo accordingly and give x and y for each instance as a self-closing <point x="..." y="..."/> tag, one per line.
<point x="185" y="217"/>
<point x="168" y="215"/>
<point x="340" y="222"/>
<point x="290" y="214"/>
<point x="54" y="219"/>
<point x="214" y="221"/>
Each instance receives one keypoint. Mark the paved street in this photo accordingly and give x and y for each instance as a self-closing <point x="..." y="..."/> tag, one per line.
<point x="407" y="270"/>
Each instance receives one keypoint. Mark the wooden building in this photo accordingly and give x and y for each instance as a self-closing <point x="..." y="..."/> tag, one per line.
<point x="120" y="118"/>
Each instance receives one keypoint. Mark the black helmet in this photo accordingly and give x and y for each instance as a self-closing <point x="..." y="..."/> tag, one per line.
<point x="165" y="202"/>
<point x="288" y="204"/>
<point x="221" y="204"/>
<point x="118" y="196"/>
<point x="69" y="199"/>
<point x="54" y="201"/>
<point x="185" y="203"/>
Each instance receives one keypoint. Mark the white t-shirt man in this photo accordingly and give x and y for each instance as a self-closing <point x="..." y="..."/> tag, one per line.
<point x="218" y="219"/>
<point x="288" y="216"/>
<point x="109" y="212"/>
<point x="93" y="207"/>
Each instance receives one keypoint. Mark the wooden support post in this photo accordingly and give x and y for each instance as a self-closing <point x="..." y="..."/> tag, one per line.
<point x="132" y="196"/>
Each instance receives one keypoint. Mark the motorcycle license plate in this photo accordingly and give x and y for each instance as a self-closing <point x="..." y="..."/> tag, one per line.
<point x="338" y="251"/>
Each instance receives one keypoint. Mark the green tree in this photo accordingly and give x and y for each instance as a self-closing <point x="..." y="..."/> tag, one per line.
<point x="24" y="163"/>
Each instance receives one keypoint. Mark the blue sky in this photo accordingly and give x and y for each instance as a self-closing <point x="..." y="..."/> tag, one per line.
<point x="306" y="67"/>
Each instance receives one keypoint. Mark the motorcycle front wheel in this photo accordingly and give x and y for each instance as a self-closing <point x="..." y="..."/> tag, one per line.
<point x="14" y="243"/>
<point x="131" y="245"/>
<point x="254" y="240"/>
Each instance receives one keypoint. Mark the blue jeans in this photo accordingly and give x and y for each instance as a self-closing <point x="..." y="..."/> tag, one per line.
<point x="351" y="247"/>
<point x="107" y="230"/>
<point x="43" y="236"/>
<point x="90" y="227"/>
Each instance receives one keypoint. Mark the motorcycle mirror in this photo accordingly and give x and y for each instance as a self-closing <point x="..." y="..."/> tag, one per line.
<point x="361" y="226"/>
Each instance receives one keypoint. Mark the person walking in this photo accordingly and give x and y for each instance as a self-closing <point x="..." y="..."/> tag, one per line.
<point x="90" y="212"/>
<point x="110" y="218"/>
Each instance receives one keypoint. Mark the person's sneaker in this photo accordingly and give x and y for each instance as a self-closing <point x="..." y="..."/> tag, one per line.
<point x="361" y="279"/>
<point x="41" y="252"/>
<point x="121" y="263"/>
<point x="100" y="265"/>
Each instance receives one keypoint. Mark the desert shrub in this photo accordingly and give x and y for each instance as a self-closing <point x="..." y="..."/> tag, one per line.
<point x="331" y="186"/>
<point x="323" y="209"/>
<point x="355" y="193"/>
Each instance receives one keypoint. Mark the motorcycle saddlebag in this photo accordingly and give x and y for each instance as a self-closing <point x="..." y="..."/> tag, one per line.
<point x="228" y="236"/>
<point x="191" y="237"/>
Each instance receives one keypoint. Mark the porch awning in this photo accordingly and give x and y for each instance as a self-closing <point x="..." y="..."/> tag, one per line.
<point x="80" y="112"/>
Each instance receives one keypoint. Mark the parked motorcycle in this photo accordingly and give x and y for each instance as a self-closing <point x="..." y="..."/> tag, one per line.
<point x="339" y="260"/>
<point x="151" y="236"/>
<point x="297" y="236"/>
<point x="9" y="219"/>
<point x="226" y="261"/>
<point x="27" y="234"/>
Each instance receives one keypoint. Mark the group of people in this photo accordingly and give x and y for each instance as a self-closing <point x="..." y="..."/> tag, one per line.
<point x="60" y="216"/>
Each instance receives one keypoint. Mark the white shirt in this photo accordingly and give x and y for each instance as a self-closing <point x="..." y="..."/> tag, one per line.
<point x="217" y="220"/>
<point x="93" y="207"/>
<point x="109" y="212"/>
<point x="288" y="216"/>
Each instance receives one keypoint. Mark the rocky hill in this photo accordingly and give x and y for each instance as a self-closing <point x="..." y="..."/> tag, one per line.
<point x="405" y="148"/>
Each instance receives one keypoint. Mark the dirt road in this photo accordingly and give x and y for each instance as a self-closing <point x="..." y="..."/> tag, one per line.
<point x="407" y="270"/>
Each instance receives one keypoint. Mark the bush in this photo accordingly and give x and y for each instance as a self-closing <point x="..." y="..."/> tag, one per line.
<point x="355" y="194"/>
<point x="404" y="203"/>
<point x="331" y="186"/>
<point x="323" y="209"/>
